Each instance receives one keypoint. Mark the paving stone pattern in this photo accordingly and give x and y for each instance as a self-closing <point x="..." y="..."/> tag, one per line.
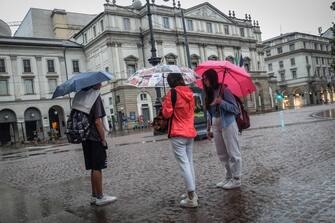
<point x="288" y="176"/>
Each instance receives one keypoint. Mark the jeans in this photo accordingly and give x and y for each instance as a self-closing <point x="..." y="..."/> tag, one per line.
<point x="182" y="149"/>
<point x="227" y="147"/>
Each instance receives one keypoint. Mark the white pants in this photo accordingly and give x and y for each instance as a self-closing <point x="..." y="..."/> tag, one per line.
<point x="182" y="149"/>
<point x="227" y="147"/>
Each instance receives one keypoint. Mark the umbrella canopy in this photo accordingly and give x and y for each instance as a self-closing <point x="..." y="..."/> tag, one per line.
<point x="156" y="76"/>
<point x="80" y="81"/>
<point x="237" y="78"/>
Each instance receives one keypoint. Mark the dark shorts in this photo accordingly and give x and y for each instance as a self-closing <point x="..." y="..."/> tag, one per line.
<point x="95" y="155"/>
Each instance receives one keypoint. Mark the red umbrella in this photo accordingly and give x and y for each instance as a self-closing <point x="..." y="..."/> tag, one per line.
<point x="235" y="77"/>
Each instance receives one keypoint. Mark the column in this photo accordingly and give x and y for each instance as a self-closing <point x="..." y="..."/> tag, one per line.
<point x="16" y="78"/>
<point x="42" y="80"/>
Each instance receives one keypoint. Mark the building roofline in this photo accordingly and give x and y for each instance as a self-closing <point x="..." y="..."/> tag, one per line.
<point x="88" y="24"/>
<point x="14" y="40"/>
<point x="289" y="34"/>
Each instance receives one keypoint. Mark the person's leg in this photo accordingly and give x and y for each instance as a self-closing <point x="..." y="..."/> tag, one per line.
<point x="97" y="183"/>
<point x="179" y="149"/>
<point x="230" y="135"/>
<point x="94" y="190"/>
<point x="189" y="153"/>
<point x="220" y="146"/>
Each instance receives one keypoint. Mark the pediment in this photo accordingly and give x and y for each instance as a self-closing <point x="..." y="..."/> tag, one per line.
<point x="208" y="12"/>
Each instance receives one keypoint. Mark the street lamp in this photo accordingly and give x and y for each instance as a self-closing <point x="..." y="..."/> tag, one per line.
<point x="154" y="60"/>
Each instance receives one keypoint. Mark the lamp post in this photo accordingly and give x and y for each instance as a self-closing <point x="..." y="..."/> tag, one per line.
<point x="185" y="36"/>
<point x="154" y="60"/>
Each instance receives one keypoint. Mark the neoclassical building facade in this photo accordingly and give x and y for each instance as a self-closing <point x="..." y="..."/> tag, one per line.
<point x="301" y="64"/>
<point x="116" y="40"/>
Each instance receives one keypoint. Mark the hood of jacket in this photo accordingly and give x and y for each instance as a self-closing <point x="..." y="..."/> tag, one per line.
<point x="185" y="92"/>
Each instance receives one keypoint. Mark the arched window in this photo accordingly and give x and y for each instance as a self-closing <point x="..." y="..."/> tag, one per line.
<point x="171" y="59"/>
<point x="247" y="63"/>
<point x="230" y="59"/>
<point x="131" y="64"/>
<point x="194" y="61"/>
<point x="213" y="57"/>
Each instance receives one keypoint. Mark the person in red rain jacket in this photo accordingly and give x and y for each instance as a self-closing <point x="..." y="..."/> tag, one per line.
<point x="182" y="133"/>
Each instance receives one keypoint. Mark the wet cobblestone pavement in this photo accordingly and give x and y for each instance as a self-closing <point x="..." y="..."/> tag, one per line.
<point x="288" y="176"/>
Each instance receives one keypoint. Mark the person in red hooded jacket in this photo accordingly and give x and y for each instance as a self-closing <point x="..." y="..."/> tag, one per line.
<point x="182" y="133"/>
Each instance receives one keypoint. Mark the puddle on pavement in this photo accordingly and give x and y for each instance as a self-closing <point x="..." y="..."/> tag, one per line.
<point x="326" y="114"/>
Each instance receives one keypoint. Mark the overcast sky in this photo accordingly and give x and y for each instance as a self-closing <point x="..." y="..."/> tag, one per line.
<point x="274" y="16"/>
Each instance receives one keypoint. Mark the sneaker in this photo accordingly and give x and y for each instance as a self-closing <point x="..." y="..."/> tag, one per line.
<point x="105" y="200"/>
<point x="188" y="203"/>
<point x="184" y="196"/>
<point x="92" y="201"/>
<point x="233" y="183"/>
<point x="222" y="183"/>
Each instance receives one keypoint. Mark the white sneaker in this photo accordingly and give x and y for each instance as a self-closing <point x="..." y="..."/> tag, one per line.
<point x="184" y="196"/>
<point x="233" y="183"/>
<point x="105" y="200"/>
<point x="188" y="203"/>
<point x="222" y="183"/>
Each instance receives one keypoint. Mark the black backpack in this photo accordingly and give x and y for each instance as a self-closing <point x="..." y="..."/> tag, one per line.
<point x="78" y="127"/>
<point x="242" y="120"/>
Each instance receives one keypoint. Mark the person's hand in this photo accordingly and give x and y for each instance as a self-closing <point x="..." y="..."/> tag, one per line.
<point x="104" y="143"/>
<point x="217" y="100"/>
<point x="209" y="135"/>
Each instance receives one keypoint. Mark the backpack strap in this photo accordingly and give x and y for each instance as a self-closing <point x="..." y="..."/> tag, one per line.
<point x="173" y="100"/>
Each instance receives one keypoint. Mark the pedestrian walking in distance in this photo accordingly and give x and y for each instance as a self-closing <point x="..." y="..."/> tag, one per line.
<point x="221" y="109"/>
<point x="178" y="106"/>
<point x="94" y="147"/>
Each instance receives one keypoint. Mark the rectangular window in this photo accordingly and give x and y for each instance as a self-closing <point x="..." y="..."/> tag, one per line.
<point x="110" y="100"/>
<point x="209" y="27"/>
<point x="281" y="64"/>
<point x="85" y="38"/>
<point x="279" y="50"/>
<point x="143" y="97"/>
<point x="102" y="25"/>
<point x="126" y="23"/>
<point x="318" y="71"/>
<point x="292" y="61"/>
<point x="307" y="60"/>
<point x="94" y="31"/>
<point x="268" y="53"/>
<point x="315" y="46"/>
<point x="51" y="66"/>
<point x="190" y="25"/>
<point x="2" y="66"/>
<point x="270" y="66"/>
<point x="118" y="100"/>
<point x="317" y="60"/>
<point x="242" y="32"/>
<point x="52" y="85"/>
<point x="131" y="69"/>
<point x="322" y="60"/>
<point x="75" y="66"/>
<point x="166" y="22"/>
<point x="3" y="87"/>
<point x="292" y="47"/>
<point x="29" y="86"/>
<point x="26" y="66"/>
<point x="107" y="69"/>
<point x="226" y="29"/>
<point x="294" y="74"/>
<point x="282" y="76"/>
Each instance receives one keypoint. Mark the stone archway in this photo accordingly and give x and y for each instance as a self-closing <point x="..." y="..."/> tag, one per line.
<point x="194" y="60"/>
<point x="171" y="59"/>
<point x="8" y="127"/>
<point x="57" y="120"/>
<point x="298" y="100"/>
<point x="33" y="123"/>
<point x="230" y="59"/>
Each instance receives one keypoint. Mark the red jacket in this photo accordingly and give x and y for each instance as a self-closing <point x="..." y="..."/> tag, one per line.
<point x="183" y="115"/>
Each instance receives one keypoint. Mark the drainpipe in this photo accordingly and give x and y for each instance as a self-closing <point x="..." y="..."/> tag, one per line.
<point x="66" y="73"/>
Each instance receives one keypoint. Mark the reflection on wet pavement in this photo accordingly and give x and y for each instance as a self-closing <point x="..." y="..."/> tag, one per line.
<point x="326" y="114"/>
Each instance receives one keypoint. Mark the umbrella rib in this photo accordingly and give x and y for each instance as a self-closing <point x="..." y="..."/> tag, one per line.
<point x="236" y="81"/>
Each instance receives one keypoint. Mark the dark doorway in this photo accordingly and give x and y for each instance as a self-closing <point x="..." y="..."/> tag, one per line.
<point x="145" y="113"/>
<point x="5" y="133"/>
<point x="31" y="130"/>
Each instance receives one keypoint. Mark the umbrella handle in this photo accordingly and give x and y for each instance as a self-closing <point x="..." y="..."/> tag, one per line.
<point x="164" y="85"/>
